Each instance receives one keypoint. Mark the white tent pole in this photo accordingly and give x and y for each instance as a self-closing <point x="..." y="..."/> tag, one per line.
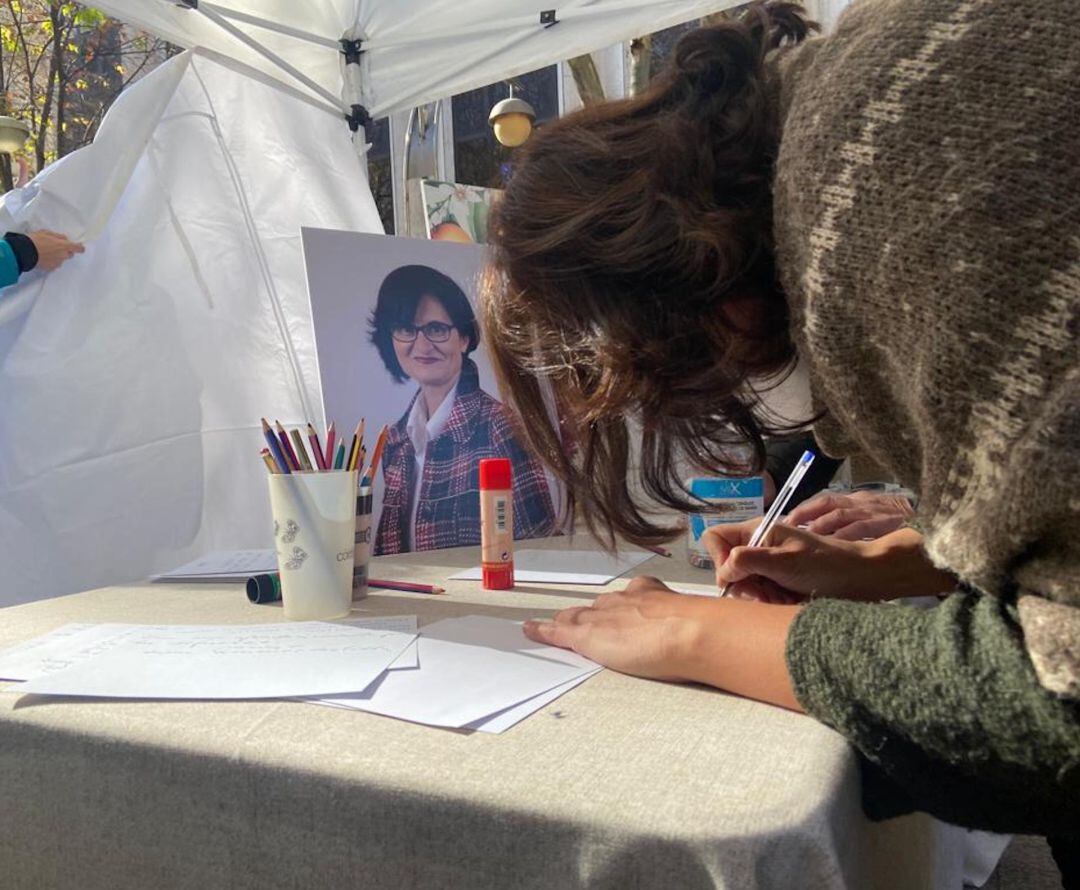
<point x="251" y="42"/>
<point x="502" y="25"/>
<point x="249" y="19"/>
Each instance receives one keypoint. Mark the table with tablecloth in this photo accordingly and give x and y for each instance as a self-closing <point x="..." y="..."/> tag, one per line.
<point x="621" y="782"/>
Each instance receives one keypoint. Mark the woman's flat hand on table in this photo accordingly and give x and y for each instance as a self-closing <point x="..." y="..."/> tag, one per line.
<point x="646" y="630"/>
<point x="649" y="631"/>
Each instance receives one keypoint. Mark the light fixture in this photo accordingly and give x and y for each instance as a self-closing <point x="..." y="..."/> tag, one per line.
<point x="512" y="120"/>
<point x="13" y="134"/>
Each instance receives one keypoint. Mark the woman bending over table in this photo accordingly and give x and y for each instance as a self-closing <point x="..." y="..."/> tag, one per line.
<point x="896" y="206"/>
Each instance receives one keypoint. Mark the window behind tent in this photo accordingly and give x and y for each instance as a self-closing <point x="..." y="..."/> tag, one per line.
<point x="663" y="42"/>
<point x="478" y="158"/>
<point x="381" y="171"/>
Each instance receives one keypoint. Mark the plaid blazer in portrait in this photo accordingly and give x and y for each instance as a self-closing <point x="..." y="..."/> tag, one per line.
<point x="448" y="514"/>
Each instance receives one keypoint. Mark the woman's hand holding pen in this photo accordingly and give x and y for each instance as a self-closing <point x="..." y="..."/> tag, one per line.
<point x="795" y="565"/>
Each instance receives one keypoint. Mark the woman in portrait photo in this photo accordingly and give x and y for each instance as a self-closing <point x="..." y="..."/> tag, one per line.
<point x="424" y="329"/>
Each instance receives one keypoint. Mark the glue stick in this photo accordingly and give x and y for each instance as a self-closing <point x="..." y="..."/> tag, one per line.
<point x="496" y="524"/>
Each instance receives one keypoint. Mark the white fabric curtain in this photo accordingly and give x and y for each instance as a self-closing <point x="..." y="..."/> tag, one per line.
<point x="415" y="51"/>
<point x="133" y="377"/>
<point x="826" y="12"/>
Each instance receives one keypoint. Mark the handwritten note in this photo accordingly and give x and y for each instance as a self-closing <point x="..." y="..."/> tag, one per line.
<point x="229" y="661"/>
<point x="223" y="565"/>
<point x="59" y="649"/>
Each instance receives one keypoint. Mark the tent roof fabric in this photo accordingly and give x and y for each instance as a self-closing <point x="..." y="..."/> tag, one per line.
<point x="413" y="51"/>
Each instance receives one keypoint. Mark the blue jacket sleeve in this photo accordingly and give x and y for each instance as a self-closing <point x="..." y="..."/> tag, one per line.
<point x="9" y="265"/>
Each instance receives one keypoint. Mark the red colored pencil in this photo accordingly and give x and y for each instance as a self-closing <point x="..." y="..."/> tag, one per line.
<point x="407" y="586"/>
<point x="316" y="448"/>
<point x="331" y="434"/>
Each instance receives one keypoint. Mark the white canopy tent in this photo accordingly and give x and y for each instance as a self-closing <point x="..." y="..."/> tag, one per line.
<point x="411" y="51"/>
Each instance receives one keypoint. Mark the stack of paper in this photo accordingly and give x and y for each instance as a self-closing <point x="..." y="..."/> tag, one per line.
<point x="474" y="672"/>
<point x="566" y="566"/>
<point x="222" y="565"/>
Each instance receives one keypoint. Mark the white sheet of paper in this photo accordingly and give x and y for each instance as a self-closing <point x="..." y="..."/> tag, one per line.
<point x="232" y="565"/>
<point x="410" y="658"/>
<point x="502" y="721"/>
<point x="470" y="668"/>
<point x="566" y="566"/>
<point x="231" y="662"/>
<point x="59" y="649"/>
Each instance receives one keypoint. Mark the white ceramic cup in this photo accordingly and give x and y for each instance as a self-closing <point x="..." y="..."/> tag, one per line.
<point x="314" y="527"/>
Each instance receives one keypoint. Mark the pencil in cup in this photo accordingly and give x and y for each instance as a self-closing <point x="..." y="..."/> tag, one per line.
<point x="275" y="448"/>
<point x="286" y="447"/>
<point x="331" y="435"/>
<point x="316" y="448"/>
<point x="301" y="452"/>
<point x="778" y="505"/>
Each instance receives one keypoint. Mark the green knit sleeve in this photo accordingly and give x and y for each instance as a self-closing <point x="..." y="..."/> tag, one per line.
<point x="945" y="703"/>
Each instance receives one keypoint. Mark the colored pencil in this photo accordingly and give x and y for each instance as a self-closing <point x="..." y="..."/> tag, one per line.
<point x="268" y="459"/>
<point x="275" y="447"/>
<point x="339" y="459"/>
<point x="406" y="586"/>
<point x="316" y="448"/>
<point x="376" y="455"/>
<point x="331" y="434"/>
<point x="354" y="449"/>
<point x="286" y="447"/>
<point x="301" y="451"/>
<point x="660" y="551"/>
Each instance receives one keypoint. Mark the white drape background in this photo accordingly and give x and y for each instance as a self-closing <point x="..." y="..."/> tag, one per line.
<point x="133" y="377"/>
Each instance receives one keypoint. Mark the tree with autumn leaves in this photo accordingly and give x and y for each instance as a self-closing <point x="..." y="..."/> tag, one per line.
<point x="61" y="67"/>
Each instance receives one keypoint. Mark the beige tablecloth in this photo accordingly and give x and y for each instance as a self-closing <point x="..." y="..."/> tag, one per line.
<point x="620" y="783"/>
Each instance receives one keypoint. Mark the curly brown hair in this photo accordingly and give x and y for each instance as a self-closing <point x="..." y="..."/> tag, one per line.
<point x="632" y="266"/>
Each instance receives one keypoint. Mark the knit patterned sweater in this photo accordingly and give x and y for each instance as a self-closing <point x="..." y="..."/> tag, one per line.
<point x="927" y="207"/>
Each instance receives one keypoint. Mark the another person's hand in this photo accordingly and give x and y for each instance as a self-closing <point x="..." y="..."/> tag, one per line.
<point x="53" y="249"/>
<point x="853" y="517"/>
<point x="795" y="564"/>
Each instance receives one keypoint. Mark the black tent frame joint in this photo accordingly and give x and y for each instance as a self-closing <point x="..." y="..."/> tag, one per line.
<point x="351" y="49"/>
<point x="358" y="118"/>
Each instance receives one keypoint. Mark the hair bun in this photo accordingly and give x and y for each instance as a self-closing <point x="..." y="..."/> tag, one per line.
<point x="716" y="61"/>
